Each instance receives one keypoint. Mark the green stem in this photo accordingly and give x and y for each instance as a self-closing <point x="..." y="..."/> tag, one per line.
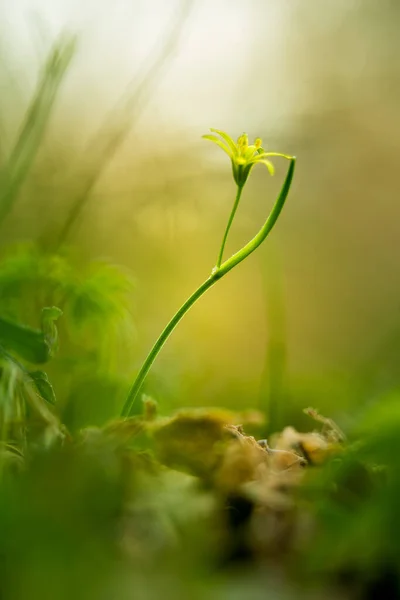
<point x="265" y="229"/>
<point x="232" y="216"/>
<point x="127" y="410"/>
<point x="217" y="273"/>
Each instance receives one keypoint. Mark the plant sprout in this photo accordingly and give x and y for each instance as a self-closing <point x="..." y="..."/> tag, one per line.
<point x="243" y="157"/>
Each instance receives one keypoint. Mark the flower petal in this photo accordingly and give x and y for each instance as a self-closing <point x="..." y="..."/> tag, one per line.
<point x="250" y="152"/>
<point x="213" y="138"/>
<point x="265" y="154"/>
<point x="228" y="140"/>
<point x="267" y="163"/>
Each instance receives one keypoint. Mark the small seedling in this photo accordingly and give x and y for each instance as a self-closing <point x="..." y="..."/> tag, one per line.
<point x="243" y="158"/>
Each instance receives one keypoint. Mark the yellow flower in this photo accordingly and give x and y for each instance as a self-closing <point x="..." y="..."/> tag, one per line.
<point x="243" y="156"/>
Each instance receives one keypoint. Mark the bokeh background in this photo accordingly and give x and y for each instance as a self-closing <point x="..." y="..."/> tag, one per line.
<point x="313" y="317"/>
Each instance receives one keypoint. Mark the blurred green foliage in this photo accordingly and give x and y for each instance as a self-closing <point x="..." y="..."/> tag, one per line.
<point x="96" y="327"/>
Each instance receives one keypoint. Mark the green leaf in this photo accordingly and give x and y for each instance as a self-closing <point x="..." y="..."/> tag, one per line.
<point x="43" y="386"/>
<point x="33" y="345"/>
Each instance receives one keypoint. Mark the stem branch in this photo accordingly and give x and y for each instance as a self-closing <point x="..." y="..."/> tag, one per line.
<point x="232" y="216"/>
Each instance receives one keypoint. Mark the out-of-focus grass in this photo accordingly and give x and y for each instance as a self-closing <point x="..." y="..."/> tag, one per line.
<point x="110" y="138"/>
<point x="16" y="167"/>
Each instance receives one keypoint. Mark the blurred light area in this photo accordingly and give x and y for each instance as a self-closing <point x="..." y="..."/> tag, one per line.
<point x="319" y="80"/>
<point x="217" y="46"/>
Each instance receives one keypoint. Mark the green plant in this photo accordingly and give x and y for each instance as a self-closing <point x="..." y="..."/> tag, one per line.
<point x="243" y="158"/>
<point x="94" y="297"/>
<point x="97" y="333"/>
<point x="25" y="395"/>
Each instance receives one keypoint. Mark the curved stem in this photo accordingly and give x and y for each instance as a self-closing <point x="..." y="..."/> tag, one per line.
<point x="232" y="216"/>
<point x="258" y="239"/>
<point x="216" y="274"/>
<point x="127" y="409"/>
